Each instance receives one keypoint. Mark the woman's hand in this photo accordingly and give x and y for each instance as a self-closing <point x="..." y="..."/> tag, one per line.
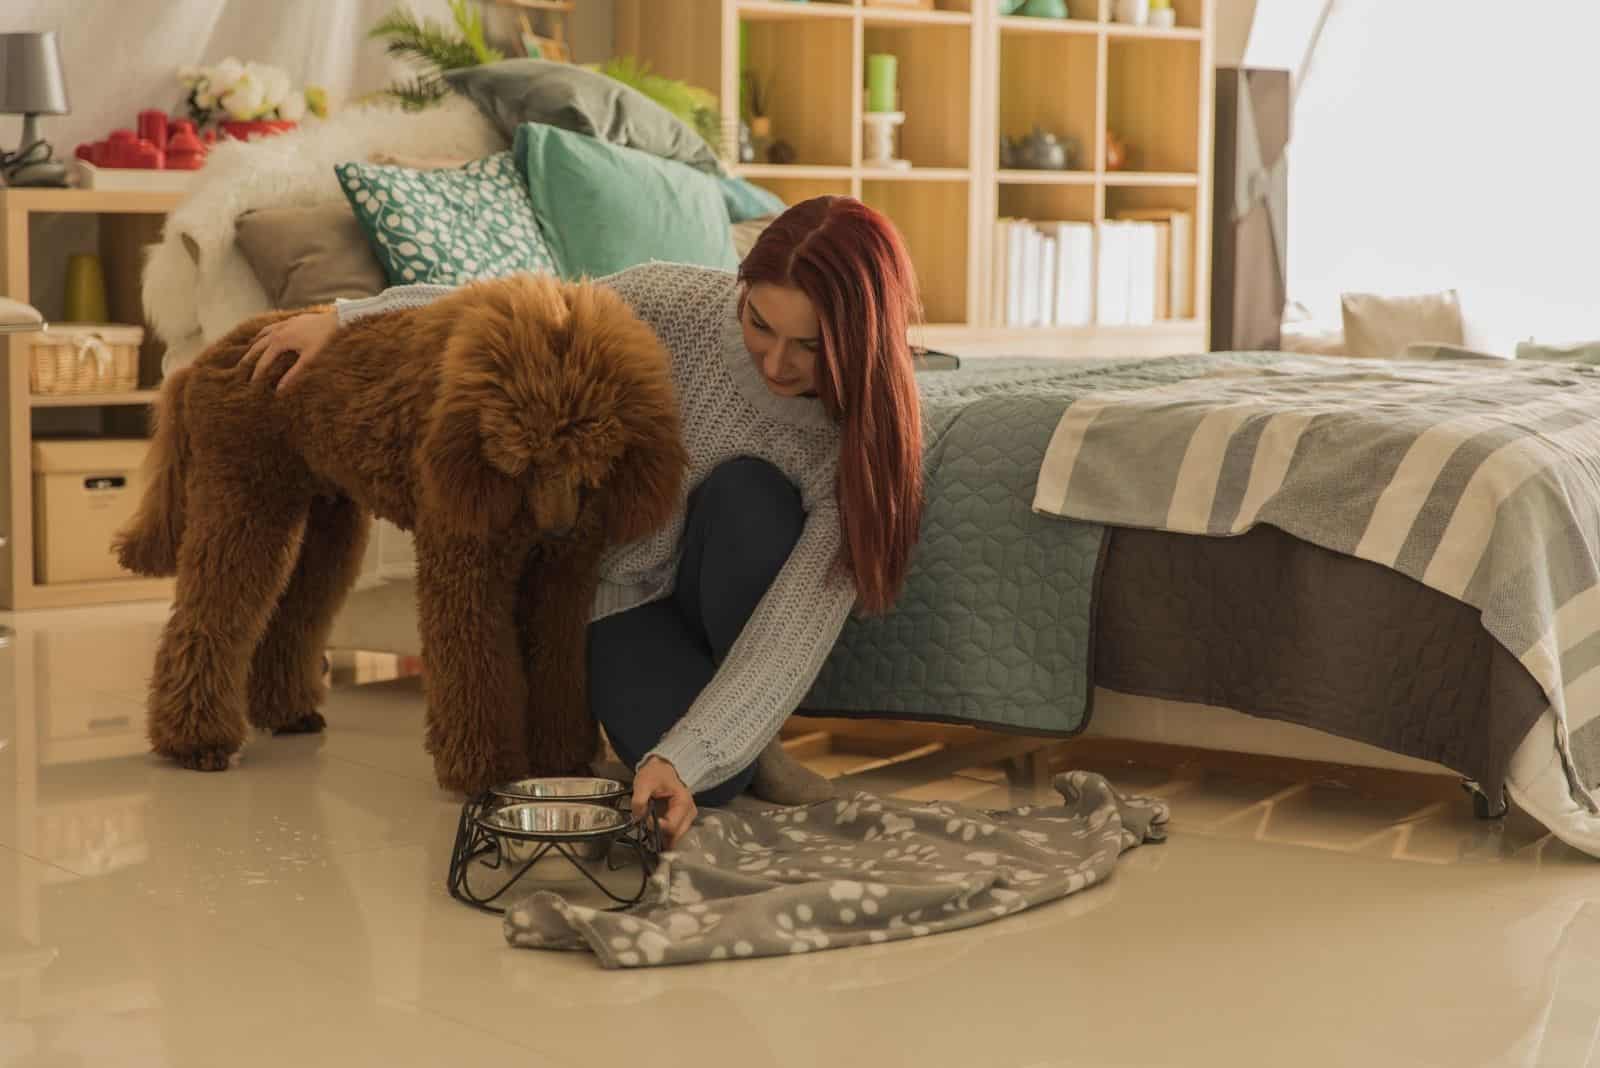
<point x="657" y="779"/>
<point x="304" y="335"/>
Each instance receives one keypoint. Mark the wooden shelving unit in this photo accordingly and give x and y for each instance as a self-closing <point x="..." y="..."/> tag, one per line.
<point x="128" y="222"/>
<point x="966" y="76"/>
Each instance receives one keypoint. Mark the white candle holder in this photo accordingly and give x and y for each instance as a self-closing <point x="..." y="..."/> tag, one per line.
<point x="878" y="140"/>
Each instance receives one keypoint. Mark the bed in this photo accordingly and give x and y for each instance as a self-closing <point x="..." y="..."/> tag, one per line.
<point x="1020" y="619"/>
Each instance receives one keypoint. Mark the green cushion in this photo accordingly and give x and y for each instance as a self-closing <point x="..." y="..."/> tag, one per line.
<point x="746" y="200"/>
<point x="515" y="91"/>
<point x="447" y="226"/>
<point x="604" y="208"/>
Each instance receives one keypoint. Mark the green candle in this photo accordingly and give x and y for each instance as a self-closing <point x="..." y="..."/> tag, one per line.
<point x="880" y="82"/>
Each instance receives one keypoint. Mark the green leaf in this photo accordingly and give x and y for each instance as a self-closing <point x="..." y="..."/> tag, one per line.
<point x="469" y="20"/>
<point x="436" y="48"/>
<point x="694" y="106"/>
<point x="433" y="45"/>
<point x="418" y="93"/>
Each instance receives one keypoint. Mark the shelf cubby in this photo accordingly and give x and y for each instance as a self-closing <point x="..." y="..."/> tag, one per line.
<point x="805" y="65"/>
<point x="1048" y="203"/>
<point x="933" y="57"/>
<point x="932" y="218"/>
<point x="1068" y="66"/>
<point x="1150" y="103"/>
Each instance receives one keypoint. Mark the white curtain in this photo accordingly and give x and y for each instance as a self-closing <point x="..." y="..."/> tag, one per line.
<point x="1440" y="144"/>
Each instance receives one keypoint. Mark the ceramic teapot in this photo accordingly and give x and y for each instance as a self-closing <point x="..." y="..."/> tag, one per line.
<point x="1041" y="150"/>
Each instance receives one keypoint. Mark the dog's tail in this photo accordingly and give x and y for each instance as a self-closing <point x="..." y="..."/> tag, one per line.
<point x="148" y="545"/>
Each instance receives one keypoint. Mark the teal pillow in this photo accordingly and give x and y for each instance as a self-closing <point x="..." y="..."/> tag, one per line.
<point x="604" y="208"/>
<point x="447" y="226"/>
<point x="745" y="200"/>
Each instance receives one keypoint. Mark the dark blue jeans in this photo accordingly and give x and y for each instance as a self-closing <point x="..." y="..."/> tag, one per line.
<point x="648" y="664"/>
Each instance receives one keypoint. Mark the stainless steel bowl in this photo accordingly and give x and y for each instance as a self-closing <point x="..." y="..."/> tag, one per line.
<point x="558" y="819"/>
<point x="573" y="788"/>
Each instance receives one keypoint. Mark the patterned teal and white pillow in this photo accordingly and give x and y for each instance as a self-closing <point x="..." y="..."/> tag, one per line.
<point x="447" y="226"/>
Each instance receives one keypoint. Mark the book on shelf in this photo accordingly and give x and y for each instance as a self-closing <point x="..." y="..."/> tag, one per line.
<point x="1074" y="274"/>
<point x="1178" y="254"/>
<point x="1016" y="238"/>
<point x="1142" y="247"/>
<point x="1032" y="252"/>
<point x="1000" y="273"/>
<point x="1046" y="283"/>
<point x="1043" y="274"/>
<point x="1113" y="273"/>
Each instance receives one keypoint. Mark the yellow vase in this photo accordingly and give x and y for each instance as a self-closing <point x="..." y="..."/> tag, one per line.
<point x="86" y="290"/>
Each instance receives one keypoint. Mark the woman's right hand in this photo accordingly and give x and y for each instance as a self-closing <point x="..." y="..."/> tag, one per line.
<point x="304" y="336"/>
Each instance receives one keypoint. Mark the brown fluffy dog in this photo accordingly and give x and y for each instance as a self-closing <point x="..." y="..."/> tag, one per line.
<point x="517" y="426"/>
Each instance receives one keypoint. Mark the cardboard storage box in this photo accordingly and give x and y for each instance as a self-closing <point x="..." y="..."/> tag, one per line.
<point x="83" y="493"/>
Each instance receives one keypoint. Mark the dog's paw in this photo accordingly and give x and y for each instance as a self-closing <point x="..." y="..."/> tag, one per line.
<point x="310" y="723"/>
<point x="473" y="781"/>
<point x="213" y="759"/>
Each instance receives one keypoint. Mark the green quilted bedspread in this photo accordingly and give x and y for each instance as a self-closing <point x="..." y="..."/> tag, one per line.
<point x="994" y="624"/>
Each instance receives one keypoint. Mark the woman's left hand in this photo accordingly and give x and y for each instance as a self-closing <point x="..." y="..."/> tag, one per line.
<point x="658" y="779"/>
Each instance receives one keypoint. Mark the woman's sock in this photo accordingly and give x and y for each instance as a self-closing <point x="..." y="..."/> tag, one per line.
<point x="783" y="780"/>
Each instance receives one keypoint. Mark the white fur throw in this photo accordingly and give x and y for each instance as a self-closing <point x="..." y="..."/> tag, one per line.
<point x="197" y="285"/>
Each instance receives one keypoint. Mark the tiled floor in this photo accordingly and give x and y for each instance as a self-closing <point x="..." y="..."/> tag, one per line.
<point x="292" y="912"/>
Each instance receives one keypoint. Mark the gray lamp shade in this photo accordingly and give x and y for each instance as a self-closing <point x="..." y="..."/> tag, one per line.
<point x="30" y="75"/>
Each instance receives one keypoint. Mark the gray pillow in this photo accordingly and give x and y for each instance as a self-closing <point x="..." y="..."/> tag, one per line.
<point x="514" y="91"/>
<point x="1586" y="353"/>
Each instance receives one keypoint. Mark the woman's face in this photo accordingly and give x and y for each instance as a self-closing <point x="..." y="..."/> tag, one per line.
<point x="783" y="335"/>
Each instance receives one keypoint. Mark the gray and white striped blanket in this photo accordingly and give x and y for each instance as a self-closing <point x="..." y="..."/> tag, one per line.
<point x="1480" y="480"/>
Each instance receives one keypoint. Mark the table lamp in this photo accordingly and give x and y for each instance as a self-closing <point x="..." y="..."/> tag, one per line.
<point x="15" y="318"/>
<point x="31" y="84"/>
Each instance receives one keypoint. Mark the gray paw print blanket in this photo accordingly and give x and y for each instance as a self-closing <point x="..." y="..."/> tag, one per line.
<point x="849" y="872"/>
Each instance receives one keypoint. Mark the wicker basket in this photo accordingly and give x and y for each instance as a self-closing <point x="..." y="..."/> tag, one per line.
<point x="85" y="358"/>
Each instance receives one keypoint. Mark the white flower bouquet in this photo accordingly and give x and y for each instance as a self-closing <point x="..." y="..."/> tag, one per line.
<point x="232" y="91"/>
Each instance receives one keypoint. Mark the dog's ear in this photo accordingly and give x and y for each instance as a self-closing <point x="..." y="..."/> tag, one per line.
<point x="472" y="450"/>
<point x="460" y="487"/>
<point x="642" y="492"/>
<point x="632" y="386"/>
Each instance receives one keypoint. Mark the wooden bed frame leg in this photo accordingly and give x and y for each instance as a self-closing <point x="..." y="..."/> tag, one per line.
<point x="1482" y="807"/>
<point x="1031" y="770"/>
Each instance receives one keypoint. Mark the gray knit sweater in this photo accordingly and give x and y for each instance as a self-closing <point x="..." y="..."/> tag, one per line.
<point x="727" y="412"/>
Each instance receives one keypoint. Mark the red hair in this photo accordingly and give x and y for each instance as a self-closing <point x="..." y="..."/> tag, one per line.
<point x="851" y="264"/>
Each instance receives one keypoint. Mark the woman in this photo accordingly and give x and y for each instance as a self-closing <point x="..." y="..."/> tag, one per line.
<point x="802" y="425"/>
